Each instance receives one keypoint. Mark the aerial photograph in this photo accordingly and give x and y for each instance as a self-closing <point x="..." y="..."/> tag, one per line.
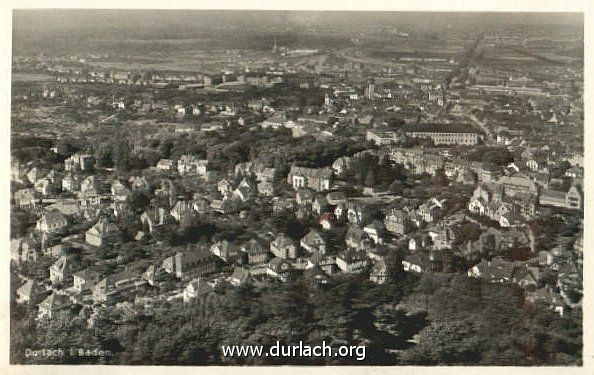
<point x="309" y="188"/>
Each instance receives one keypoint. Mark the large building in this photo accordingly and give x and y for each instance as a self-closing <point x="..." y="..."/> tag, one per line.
<point x="447" y="134"/>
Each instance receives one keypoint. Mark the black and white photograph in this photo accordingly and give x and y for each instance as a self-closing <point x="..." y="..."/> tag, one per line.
<point x="265" y="187"/>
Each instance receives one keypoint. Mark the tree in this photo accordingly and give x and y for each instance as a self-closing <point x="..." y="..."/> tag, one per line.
<point x="370" y="178"/>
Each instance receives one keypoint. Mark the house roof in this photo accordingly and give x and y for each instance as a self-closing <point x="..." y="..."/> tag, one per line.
<point x="311" y="172"/>
<point x="55" y="217"/>
<point x="254" y="247"/>
<point x="240" y="274"/>
<point x="54" y="302"/>
<point x="28" y="288"/>
<point x="277" y="265"/>
<point x="87" y="275"/>
<point x="312" y="238"/>
<point x="283" y="240"/>
<point x="103" y="228"/>
<point x="199" y="286"/>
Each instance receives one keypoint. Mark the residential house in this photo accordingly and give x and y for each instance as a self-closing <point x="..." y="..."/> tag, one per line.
<point x="376" y="231"/>
<point x="225" y="187"/>
<point x="156" y="218"/>
<point x="62" y="269"/>
<point x="313" y="242"/>
<point x="351" y="261"/>
<point x="183" y="211"/>
<point x="496" y="270"/>
<point x="79" y="162"/>
<point x="29" y="292"/>
<point x="120" y="192"/>
<point x="316" y="276"/>
<point x="397" y="222"/>
<point x="52" y="306"/>
<point x="379" y="272"/>
<point x="46" y="187"/>
<point x="71" y="182"/>
<point x="52" y="222"/>
<point x="112" y="286"/>
<point x="442" y="238"/>
<point x="326" y="263"/>
<point x="574" y="198"/>
<point x="189" y="165"/>
<point x="510" y="219"/>
<point x="266" y="174"/>
<point x="431" y="210"/>
<point x="195" y="289"/>
<point x="341" y="165"/>
<point x="266" y="189"/>
<point x="187" y="264"/>
<point x="26" y="198"/>
<point x="316" y="179"/>
<point x="319" y="204"/>
<point x="279" y="268"/>
<point x="284" y="247"/>
<point x="24" y="250"/>
<point x="356" y="238"/>
<point x="84" y="280"/>
<point x="421" y="262"/>
<point x="360" y="211"/>
<point x="102" y="233"/>
<point x="225" y="250"/>
<point x="244" y="191"/>
<point x="36" y="174"/>
<point x="166" y="165"/>
<point x="240" y="276"/>
<point x="244" y="169"/>
<point x="89" y="187"/>
<point x="254" y="252"/>
<point x="517" y="184"/>
<point x="140" y="184"/>
<point x="327" y="220"/>
<point x="419" y="242"/>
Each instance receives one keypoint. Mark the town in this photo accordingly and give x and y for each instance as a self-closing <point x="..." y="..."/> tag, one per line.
<point x="143" y="189"/>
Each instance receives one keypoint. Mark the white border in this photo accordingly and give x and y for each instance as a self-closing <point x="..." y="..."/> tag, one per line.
<point x="584" y="6"/>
